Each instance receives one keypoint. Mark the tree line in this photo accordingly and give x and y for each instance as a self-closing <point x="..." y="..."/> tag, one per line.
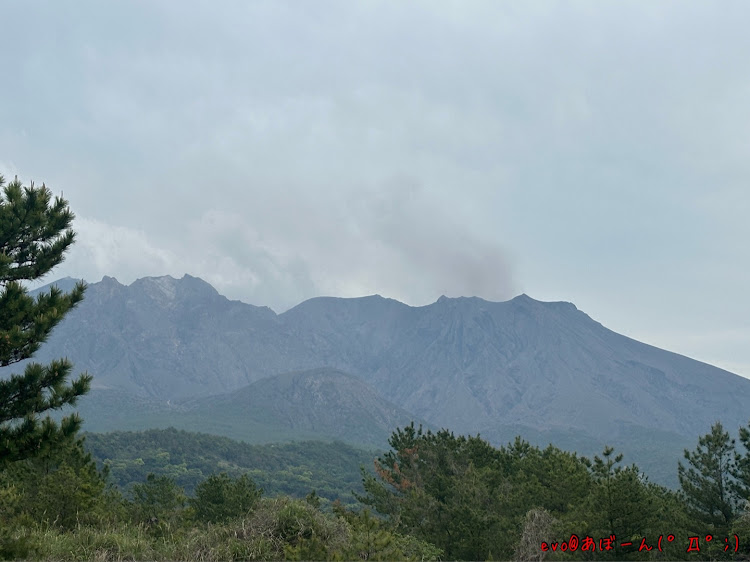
<point x="478" y="502"/>
<point x="331" y="469"/>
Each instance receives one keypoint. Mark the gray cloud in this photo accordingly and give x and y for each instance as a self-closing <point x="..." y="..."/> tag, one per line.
<point x="585" y="151"/>
<point x="418" y="240"/>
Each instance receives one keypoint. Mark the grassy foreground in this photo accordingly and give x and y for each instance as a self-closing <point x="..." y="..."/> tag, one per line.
<point x="277" y="529"/>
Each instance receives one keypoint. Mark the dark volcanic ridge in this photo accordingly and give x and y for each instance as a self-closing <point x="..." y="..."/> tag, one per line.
<point x="463" y="363"/>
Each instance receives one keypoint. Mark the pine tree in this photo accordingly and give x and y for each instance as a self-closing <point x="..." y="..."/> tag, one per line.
<point x="742" y="468"/>
<point x="35" y="233"/>
<point x="220" y="498"/>
<point x="708" y="482"/>
<point x="159" y="498"/>
<point x="62" y="487"/>
<point x="620" y="503"/>
<point x="442" y="489"/>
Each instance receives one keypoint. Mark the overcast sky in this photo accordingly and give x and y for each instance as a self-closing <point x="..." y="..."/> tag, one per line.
<point x="592" y="152"/>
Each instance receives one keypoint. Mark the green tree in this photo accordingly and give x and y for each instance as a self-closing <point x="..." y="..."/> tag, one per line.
<point x="708" y="483"/>
<point x="158" y="498"/>
<point x="741" y="530"/>
<point x="742" y="467"/>
<point x="620" y="503"/>
<point x="371" y="539"/>
<point x="445" y="490"/>
<point x="220" y="498"/>
<point x="61" y="488"/>
<point x="552" y="479"/>
<point x="35" y="233"/>
<point x="741" y="525"/>
<point x="313" y="499"/>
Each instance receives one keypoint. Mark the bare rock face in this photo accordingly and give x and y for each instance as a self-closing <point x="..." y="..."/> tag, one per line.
<point x="462" y="363"/>
<point x="472" y="365"/>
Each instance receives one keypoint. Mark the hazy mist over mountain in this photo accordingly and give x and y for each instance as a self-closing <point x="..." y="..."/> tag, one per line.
<point x="464" y="363"/>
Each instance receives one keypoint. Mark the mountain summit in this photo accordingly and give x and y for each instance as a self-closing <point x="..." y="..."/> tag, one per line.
<point x="464" y="363"/>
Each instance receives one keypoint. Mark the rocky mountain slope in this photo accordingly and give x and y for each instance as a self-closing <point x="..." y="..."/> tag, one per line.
<point x="464" y="363"/>
<point x="321" y="404"/>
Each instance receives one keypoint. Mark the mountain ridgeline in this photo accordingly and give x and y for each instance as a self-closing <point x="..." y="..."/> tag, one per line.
<point x="176" y="352"/>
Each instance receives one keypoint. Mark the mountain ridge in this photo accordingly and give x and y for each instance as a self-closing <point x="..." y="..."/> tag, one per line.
<point x="464" y="363"/>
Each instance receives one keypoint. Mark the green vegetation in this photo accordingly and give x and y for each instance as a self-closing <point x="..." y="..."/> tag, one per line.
<point x="34" y="235"/>
<point x="220" y="498"/>
<point x="60" y="507"/>
<point x="475" y="502"/>
<point x="431" y="496"/>
<point x="295" y="469"/>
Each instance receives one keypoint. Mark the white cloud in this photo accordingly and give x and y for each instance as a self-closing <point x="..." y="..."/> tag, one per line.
<point x="118" y="251"/>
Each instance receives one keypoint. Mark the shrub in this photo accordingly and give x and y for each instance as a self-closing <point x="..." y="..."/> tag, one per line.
<point x="158" y="499"/>
<point x="220" y="498"/>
